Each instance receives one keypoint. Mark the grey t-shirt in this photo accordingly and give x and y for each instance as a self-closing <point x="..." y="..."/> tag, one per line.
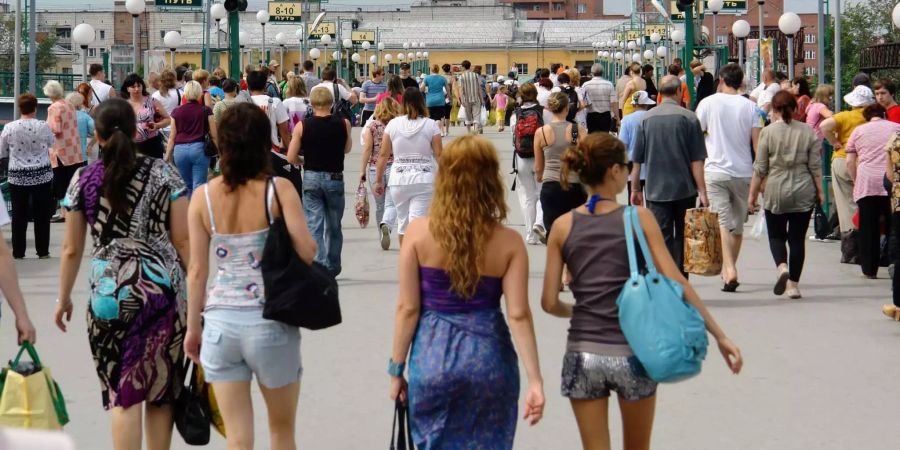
<point x="668" y="140"/>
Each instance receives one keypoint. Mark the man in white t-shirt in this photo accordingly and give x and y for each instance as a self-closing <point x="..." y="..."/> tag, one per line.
<point x="101" y="90"/>
<point x="9" y="284"/>
<point x="766" y="90"/>
<point x="328" y="77"/>
<point x="273" y="107"/>
<point x="731" y="123"/>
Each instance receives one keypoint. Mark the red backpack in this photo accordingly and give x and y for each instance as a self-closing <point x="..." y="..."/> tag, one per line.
<point x="528" y="121"/>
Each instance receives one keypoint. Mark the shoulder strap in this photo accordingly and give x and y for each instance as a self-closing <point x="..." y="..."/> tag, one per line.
<point x="574" y="134"/>
<point x="212" y="220"/>
<point x="178" y="93"/>
<point x="633" y="228"/>
<point x="272" y="193"/>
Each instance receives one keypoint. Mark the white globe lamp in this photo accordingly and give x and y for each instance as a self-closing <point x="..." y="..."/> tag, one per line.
<point x="83" y="35"/>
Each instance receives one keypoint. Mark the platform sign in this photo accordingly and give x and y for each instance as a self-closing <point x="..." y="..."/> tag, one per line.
<point x="659" y="28"/>
<point x="322" y="29"/>
<point x="620" y="36"/>
<point x="360" y="36"/>
<point x="734" y="5"/>
<point x="285" y="12"/>
<point x="179" y="3"/>
<point x="679" y="15"/>
<point x="633" y="35"/>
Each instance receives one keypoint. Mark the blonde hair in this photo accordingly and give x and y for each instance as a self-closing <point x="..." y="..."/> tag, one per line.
<point x="201" y="76"/>
<point x="76" y="100"/>
<point x="296" y="87"/>
<point x="823" y="94"/>
<point x="220" y="73"/>
<point x="574" y="77"/>
<point x="193" y="91"/>
<point x="54" y="90"/>
<point x="558" y="102"/>
<point x="469" y="202"/>
<point x="387" y="110"/>
<point x="321" y="98"/>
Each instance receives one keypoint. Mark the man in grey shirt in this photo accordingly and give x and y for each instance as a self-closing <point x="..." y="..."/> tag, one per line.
<point x="309" y="75"/>
<point x="670" y="142"/>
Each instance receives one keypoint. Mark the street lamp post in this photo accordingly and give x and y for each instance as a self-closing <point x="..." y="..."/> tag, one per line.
<point x="355" y="58"/>
<point x="218" y="12"/>
<point x="715" y="6"/>
<point x="281" y="39"/>
<point x="677" y="39"/>
<point x="380" y="48"/>
<point x="262" y="16"/>
<point x="741" y="29"/>
<point x="172" y="40"/>
<point x="83" y="35"/>
<point x="789" y="24"/>
<point x="837" y="56"/>
<point x="762" y="35"/>
<point x="366" y="45"/>
<point x="135" y="8"/>
<point x="243" y="39"/>
<point x="654" y="39"/>
<point x="347" y="45"/>
<point x="314" y="54"/>
<point x="325" y="40"/>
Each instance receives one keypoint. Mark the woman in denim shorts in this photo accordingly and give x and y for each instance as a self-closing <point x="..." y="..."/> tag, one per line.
<point x="236" y="341"/>
<point x="598" y="359"/>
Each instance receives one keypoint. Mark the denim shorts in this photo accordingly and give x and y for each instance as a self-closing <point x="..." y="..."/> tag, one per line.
<point x="235" y="349"/>
<point x="590" y="376"/>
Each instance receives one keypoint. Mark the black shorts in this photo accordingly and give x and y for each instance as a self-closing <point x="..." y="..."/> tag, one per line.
<point x="62" y="176"/>
<point x="437" y="112"/>
<point x="448" y="110"/>
<point x="555" y="201"/>
<point x="152" y="147"/>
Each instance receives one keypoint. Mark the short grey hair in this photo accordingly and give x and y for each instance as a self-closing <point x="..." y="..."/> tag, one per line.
<point x="76" y="100"/>
<point x="193" y="91"/>
<point x="669" y="85"/>
<point x="54" y="90"/>
<point x="597" y="70"/>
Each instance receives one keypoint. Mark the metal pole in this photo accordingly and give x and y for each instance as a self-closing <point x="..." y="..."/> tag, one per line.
<point x="172" y="56"/>
<point x="234" y="49"/>
<point x="264" y="44"/>
<point x="17" y="59"/>
<point x="32" y="44"/>
<point x="134" y="43"/>
<point x="218" y="36"/>
<point x="206" y="40"/>
<point x="762" y="35"/>
<point x="305" y="26"/>
<point x="741" y="53"/>
<point x="714" y="32"/>
<point x="820" y="42"/>
<point x="837" y="56"/>
<point x="689" y="52"/>
<point x="84" y="77"/>
<point x="282" y="56"/>
<point x="790" y="52"/>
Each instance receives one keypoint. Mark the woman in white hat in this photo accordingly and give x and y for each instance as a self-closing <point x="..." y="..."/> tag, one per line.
<point x="837" y="129"/>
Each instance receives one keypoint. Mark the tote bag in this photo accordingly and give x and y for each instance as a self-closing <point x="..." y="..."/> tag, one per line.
<point x="29" y="398"/>
<point x="702" y="242"/>
<point x="666" y="334"/>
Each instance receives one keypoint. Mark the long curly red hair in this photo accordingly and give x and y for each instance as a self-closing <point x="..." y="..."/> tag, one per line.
<point x="469" y="201"/>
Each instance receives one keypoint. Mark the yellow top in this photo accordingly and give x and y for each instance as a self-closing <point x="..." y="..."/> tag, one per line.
<point x="627" y="108"/>
<point x="845" y="123"/>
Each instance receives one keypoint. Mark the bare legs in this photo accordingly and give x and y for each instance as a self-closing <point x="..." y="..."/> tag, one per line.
<point x="593" y="423"/>
<point x="731" y="249"/>
<point x="237" y="413"/>
<point x="126" y="427"/>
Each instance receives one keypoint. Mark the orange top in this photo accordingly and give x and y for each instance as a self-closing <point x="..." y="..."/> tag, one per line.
<point x="685" y="96"/>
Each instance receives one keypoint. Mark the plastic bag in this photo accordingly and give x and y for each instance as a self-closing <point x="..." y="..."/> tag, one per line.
<point x="29" y="397"/>
<point x="759" y="230"/>
<point x="484" y="116"/>
<point x="492" y="118"/>
<point x="362" y="205"/>
<point x="702" y="242"/>
<point x="461" y="116"/>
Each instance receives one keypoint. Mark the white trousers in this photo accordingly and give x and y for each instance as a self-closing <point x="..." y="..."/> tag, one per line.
<point x="529" y="191"/>
<point x="412" y="201"/>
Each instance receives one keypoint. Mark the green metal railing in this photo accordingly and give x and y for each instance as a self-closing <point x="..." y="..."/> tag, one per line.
<point x="69" y="82"/>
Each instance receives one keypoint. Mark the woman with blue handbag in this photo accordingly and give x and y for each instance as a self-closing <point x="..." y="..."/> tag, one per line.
<point x="605" y="350"/>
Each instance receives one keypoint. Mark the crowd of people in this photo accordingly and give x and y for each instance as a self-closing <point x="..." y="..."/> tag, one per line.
<point x="191" y="162"/>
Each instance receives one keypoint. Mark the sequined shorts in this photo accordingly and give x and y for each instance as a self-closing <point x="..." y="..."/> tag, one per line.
<point x="589" y="376"/>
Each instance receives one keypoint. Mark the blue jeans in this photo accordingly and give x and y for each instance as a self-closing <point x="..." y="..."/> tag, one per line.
<point x="323" y="202"/>
<point x="192" y="163"/>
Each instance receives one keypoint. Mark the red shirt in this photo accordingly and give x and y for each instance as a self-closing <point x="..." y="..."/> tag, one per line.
<point x="893" y="114"/>
<point x="243" y="84"/>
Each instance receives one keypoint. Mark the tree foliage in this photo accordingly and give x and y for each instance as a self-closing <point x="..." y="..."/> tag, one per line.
<point x="46" y="60"/>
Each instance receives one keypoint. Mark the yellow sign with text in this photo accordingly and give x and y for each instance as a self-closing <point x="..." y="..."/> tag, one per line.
<point x="362" y="36"/>
<point x="323" y="28"/>
<point x="285" y="11"/>
<point x="655" y="28"/>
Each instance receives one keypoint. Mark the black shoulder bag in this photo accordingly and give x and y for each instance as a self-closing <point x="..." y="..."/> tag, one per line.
<point x="209" y="145"/>
<point x="401" y="432"/>
<point x="297" y="294"/>
<point x="192" y="414"/>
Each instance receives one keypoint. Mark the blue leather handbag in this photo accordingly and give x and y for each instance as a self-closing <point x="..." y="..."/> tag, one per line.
<point x="666" y="334"/>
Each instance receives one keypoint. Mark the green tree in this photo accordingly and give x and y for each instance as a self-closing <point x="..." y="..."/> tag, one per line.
<point x="46" y="60"/>
<point x="862" y="24"/>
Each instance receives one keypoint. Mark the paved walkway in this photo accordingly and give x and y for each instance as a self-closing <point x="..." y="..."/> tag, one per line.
<point x="820" y="373"/>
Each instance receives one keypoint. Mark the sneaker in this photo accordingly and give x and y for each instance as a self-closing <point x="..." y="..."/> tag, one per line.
<point x="793" y="293"/>
<point x="57" y="218"/>
<point x="835" y="236"/>
<point x="781" y="282"/>
<point x="44" y="257"/>
<point x="385" y="237"/>
<point x="533" y="241"/>
<point x="541" y="233"/>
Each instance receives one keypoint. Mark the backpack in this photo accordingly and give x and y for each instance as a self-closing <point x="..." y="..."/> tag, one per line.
<point x="528" y="121"/>
<point x="273" y="90"/>
<point x="573" y="102"/>
<point x="341" y="107"/>
<point x="512" y="90"/>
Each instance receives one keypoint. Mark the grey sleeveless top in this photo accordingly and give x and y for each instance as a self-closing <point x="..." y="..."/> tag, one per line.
<point x="596" y="254"/>
<point x="554" y="152"/>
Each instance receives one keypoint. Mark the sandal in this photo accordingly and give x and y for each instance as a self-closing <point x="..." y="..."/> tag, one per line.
<point x="731" y="286"/>
<point x="891" y="311"/>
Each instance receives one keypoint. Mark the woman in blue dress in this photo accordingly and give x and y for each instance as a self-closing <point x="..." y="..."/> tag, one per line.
<point x="455" y="265"/>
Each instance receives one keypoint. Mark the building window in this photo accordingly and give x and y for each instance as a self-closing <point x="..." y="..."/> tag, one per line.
<point x="64" y="33"/>
<point x="522" y="69"/>
<point x="102" y="34"/>
<point x="66" y="70"/>
<point x="393" y="68"/>
<point x="810" y="71"/>
<point x="535" y="7"/>
<point x="809" y="54"/>
<point x="580" y="8"/>
<point x="162" y="34"/>
<point x="558" y="6"/>
<point x="490" y="69"/>
<point x="92" y="52"/>
<point x="721" y="40"/>
<point x="809" y="38"/>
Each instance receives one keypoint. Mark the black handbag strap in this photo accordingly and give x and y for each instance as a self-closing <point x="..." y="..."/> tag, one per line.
<point x="401" y="433"/>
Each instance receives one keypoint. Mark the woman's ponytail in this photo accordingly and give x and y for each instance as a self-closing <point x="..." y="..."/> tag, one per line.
<point x="116" y="124"/>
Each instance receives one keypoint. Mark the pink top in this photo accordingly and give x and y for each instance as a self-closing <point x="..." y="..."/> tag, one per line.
<point x="501" y="100"/>
<point x="63" y="122"/>
<point x="869" y="142"/>
<point x="814" y="117"/>
<point x="387" y="94"/>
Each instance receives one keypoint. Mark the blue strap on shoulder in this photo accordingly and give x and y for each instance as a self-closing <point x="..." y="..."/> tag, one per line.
<point x="632" y="228"/>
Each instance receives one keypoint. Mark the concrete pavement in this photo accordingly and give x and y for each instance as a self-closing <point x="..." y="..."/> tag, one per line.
<point x="820" y="373"/>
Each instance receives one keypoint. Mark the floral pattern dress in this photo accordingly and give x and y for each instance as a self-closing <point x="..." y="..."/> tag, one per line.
<point x="136" y="315"/>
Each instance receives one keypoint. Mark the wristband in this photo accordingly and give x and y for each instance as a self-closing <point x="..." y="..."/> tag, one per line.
<point x="396" y="369"/>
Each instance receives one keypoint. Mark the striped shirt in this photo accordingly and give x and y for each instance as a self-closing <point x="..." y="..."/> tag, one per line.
<point x="470" y="87"/>
<point x="600" y="93"/>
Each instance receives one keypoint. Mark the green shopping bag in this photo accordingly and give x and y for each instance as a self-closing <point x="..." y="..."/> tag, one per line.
<point x="29" y="398"/>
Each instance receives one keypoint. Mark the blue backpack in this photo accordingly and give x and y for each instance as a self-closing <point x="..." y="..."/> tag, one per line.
<point x="666" y="334"/>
